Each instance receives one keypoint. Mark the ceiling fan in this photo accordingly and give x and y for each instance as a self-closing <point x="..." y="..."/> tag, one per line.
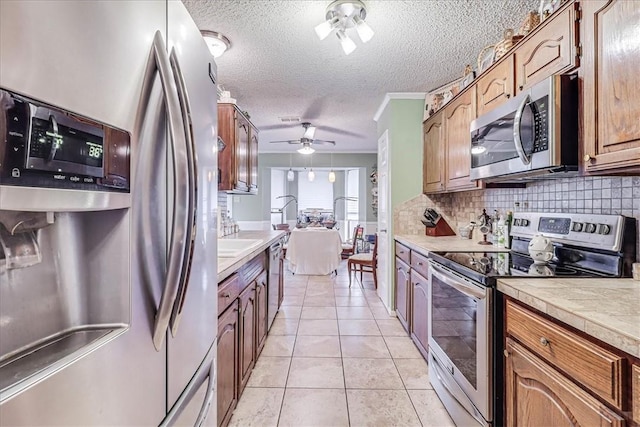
<point x="307" y="140"/>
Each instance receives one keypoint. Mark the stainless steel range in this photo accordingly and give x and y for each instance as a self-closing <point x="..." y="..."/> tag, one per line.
<point x="465" y="313"/>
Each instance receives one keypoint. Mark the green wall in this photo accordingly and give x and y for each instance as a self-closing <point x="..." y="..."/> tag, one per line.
<point x="257" y="207"/>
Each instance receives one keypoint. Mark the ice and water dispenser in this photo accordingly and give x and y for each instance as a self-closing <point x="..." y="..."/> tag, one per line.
<point x="64" y="238"/>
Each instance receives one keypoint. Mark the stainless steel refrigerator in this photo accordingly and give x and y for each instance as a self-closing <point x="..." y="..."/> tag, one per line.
<point x="141" y="67"/>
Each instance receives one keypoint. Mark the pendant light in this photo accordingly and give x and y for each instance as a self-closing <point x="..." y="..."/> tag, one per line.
<point x="332" y="174"/>
<point x="290" y="175"/>
<point x="311" y="175"/>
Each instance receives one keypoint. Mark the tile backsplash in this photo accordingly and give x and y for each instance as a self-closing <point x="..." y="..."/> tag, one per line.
<point x="597" y="195"/>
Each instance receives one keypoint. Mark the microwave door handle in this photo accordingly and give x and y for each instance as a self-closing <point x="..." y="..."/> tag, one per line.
<point x="460" y="286"/>
<point x="54" y="142"/>
<point x="517" y="137"/>
<point x="192" y="203"/>
<point x="159" y="61"/>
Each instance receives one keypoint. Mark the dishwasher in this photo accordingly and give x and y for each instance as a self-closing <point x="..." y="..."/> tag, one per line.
<point x="274" y="288"/>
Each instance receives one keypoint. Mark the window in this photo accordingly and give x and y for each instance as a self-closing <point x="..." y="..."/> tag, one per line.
<point x="277" y="189"/>
<point x="316" y="194"/>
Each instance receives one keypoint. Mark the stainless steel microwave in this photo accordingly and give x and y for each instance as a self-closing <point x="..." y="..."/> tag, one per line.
<point x="533" y="135"/>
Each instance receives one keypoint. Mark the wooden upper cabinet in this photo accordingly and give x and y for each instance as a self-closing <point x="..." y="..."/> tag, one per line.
<point x="551" y="50"/>
<point x="433" y="157"/>
<point x="496" y="86"/>
<point x="458" y="115"/>
<point x="238" y="161"/>
<point x="253" y="160"/>
<point x="611" y="84"/>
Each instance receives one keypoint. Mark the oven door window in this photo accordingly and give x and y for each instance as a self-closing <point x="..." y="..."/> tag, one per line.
<point x="454" y="327"/>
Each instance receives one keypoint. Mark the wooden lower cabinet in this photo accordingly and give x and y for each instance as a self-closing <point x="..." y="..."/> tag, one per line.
<point x="635" y="393"/>
<point x="402" y="293"/>
<point x="420" y="313"/>
<point x="538" y="395"/>
<point x="227" y="369"/>
<point x="262" y="304"/>
<point x="247" y="333"/>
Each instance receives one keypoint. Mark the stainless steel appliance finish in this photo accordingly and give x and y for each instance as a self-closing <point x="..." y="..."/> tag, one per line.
<point x="275" y="255"/>
<point x="532" y="135"/>
<point x="126" y="379"/>
<point x="459" y="341"/>
<point x="584" y="246"/>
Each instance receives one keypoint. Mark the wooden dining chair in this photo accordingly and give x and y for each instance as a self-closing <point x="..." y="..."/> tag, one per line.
<point x="349" y="248"/>
<point x="365" y="263"/>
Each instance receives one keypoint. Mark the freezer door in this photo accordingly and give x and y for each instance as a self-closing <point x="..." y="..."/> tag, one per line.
<point x="194" y="320"/>
<point x="90" y="58"/>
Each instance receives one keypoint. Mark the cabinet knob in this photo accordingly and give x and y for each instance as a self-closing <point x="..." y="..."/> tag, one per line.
<point x="588" y="158"/>
<point x="507" y="95"/>
<point x="544" y="342"/>
<point x="226" y="295"/>
<point x="521" y="87"/>
<point x="506" y="353"/>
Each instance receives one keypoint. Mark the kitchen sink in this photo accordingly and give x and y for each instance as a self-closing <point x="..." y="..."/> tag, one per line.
<point x="231" y="248"/>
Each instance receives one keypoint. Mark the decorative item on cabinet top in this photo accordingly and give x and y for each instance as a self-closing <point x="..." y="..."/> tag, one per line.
<point x="547" y="7"/>
<point x="509" y="40"/>
<point x="486" y="58"/>
<point x="469" y="76"/>
<point x="530" y="22"/>
<point x="438" y="98"/>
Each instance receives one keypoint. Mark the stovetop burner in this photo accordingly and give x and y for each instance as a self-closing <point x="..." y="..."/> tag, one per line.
<point x="485" y="267"/>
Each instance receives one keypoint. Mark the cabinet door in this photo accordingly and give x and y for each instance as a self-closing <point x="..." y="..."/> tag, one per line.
<point x="242" y="153"/>
<point x="253" y="160"/>
<point x="538" y="395"/>
<point x="402" y="293"/>
<point x="247" y="333"/>
<point x="227" y="156"/>
<point x="227" y="370"/>
<point x="495" y="87"/>
<point x="551" y="50"/>
<point x="420" y="313"/>
<point x="261" y="312"/>
<point x="281" y="281"/>
<point x="457" y="121"/>
<point x="635" y="393"/>
<point x="611" y="84"/>
<point x="433" y="158"/>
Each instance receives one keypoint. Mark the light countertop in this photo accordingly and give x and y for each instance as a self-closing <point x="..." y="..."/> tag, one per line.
<point x="424" y="244"/>
<point x="227" y="266"/>
<point x="608" y="309"/>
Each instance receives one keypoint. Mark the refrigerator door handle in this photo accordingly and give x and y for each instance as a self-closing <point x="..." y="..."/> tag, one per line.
<point x="159" y="61"/>
<point x="183" y="96"/>
<point x="208" y="400"/>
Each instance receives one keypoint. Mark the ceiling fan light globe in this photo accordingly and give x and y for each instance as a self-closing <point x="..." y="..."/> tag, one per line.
<point x="332" y="176"/>
<point x="311" y="176"/>
<point x="306" y="149"/>
<point x="290" y="175"/>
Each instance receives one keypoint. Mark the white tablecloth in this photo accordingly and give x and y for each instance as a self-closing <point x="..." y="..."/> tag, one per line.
<point x="314" y="251"/>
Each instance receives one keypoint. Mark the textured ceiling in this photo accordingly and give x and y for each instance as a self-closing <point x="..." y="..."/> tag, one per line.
<point x="277" y="66"/>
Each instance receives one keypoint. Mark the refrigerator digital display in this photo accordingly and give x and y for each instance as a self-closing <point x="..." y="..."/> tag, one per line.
<point x="67" y="144"/>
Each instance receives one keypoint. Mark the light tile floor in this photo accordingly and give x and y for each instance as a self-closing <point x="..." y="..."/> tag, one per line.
<point x="334" y="357"/>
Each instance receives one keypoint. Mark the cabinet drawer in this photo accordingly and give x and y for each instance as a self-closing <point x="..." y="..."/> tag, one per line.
<point x="635" y="390"/>
<point x="403" y="253"/>
<point x="420" y="263"/>
<point x="599" y="370"/>
<point x="228" y="291"/>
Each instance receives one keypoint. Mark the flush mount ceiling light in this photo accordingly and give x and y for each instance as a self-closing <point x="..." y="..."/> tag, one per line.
<point x="216" y="42"/>
<point x="342" y="15"/>
<point x="306" y="149"/>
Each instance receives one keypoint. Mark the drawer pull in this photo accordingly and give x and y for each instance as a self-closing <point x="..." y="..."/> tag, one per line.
<point x="226" y="295"/>
<point x="420" y="264"/>
<point x="544" y="341"/>
<point x="506" y="353"/>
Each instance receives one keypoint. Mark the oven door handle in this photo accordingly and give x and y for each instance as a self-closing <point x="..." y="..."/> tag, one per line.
<point x="517" y="137"/>
<point x="469" y="290"/>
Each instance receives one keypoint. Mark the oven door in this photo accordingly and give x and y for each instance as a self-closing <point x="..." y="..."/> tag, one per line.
<point x="460" y="334"/>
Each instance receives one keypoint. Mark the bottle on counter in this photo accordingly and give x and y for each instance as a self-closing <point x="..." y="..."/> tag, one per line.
<point x="500" y="232"/>
<point x="507" y="233"/>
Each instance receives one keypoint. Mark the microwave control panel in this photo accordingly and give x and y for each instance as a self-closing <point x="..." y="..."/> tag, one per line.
<point x="44" y="146"/>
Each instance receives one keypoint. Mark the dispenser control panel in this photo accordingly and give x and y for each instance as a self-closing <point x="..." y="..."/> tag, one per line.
<point x="44" y="146"/>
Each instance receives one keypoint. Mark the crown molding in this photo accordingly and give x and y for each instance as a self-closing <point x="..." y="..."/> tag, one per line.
<point x="396" y="95"/>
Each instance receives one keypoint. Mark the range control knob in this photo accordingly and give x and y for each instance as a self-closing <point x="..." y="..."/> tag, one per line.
<point x="524" y="222"/>
<point x="589" y="228"/>
<point x="577" y="226"/>
<point x="605" y="229"/>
